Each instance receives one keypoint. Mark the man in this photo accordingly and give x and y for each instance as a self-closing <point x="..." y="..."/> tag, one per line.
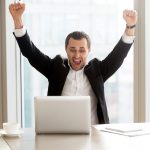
<point x="74" y="75"/>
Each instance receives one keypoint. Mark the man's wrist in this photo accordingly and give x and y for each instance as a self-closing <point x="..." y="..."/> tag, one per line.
<point x="130" y="29"/>
<point x="18" y="23"/>
<point x="20" y="32"/>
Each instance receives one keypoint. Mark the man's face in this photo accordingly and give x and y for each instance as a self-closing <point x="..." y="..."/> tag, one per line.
<point x="77" y="51"/>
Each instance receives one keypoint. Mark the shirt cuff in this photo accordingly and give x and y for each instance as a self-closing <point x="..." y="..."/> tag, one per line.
<point x="20" y="32"/>
<point x="127" y="39"/>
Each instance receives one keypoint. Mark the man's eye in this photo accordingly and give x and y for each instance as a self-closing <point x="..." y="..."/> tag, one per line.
<point x="82" y="51"/>
<point x="72" y="50"/>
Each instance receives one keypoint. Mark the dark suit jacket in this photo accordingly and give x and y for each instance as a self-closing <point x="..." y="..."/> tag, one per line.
<point x="57" y="69"/>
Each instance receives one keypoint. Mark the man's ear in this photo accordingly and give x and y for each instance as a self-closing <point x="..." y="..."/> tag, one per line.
<point x="65" y="48"/>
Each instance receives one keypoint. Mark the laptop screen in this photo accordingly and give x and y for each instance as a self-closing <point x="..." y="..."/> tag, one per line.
<point x="62" y="114"/>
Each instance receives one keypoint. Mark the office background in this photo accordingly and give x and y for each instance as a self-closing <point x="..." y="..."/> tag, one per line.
<point x="48" y="22"/>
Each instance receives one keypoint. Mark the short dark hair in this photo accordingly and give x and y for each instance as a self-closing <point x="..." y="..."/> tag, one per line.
<point x="78" y="35"/>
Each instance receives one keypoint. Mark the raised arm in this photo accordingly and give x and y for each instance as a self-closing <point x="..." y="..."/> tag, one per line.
<point x="114" y="60"/>
<point x="37" y="59"/>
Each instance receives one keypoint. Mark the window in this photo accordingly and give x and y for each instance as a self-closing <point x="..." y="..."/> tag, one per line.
<point x="48" y="23"/>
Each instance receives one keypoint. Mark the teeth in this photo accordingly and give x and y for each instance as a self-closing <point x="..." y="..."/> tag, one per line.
<point x="77" y="61"/>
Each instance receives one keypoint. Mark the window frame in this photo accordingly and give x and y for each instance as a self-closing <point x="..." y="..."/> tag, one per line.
<point x="10" y="69"/>
<point x="139" y="64"/>
<point x="147" y="45"/>
<point x="1" y="66"/>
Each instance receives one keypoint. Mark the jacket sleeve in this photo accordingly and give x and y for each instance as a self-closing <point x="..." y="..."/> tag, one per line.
<point x="114" y="60"/>
<point x="36" y="58"/>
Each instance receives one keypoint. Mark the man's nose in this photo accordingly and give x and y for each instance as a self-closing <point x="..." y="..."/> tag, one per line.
<point x="77" y="55"/>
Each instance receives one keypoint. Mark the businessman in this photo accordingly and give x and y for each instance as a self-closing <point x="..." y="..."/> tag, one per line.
<point x="75" y="75"/>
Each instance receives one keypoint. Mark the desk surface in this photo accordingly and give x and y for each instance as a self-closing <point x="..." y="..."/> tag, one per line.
<point x="3" y="145"/>
<point x="97" y="140"/>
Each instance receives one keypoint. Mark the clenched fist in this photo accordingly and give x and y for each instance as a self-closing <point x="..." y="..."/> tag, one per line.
<point x="130" y="16"/>
<point x="16" y="9"/>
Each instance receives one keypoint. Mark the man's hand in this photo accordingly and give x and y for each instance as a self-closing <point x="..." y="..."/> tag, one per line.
<point x="130" y="16"/>
<point x="17" y="10"/>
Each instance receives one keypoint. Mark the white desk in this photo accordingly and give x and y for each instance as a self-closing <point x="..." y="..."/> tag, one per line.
<point x="97" y="140"/>
<point x="3" y="145"/>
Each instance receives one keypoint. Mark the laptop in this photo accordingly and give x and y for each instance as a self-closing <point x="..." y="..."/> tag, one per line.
<point x="62" y="114"/>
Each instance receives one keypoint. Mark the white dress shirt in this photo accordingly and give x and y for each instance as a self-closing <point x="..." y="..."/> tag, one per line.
<point x="77" y="83"/>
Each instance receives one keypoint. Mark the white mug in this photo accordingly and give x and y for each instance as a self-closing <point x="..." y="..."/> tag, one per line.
<point x="11" y="128"/>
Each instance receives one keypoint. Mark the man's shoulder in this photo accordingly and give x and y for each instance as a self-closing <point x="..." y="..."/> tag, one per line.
<point x="60" y="58"/>
<point x="93" y="64"/>
<point x="94" y="61"/>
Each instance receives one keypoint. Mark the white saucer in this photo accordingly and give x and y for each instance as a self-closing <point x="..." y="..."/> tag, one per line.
<point x="14" y="134"/>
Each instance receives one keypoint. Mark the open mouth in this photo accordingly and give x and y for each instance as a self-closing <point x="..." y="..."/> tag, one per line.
<point x="76" y="62"/>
